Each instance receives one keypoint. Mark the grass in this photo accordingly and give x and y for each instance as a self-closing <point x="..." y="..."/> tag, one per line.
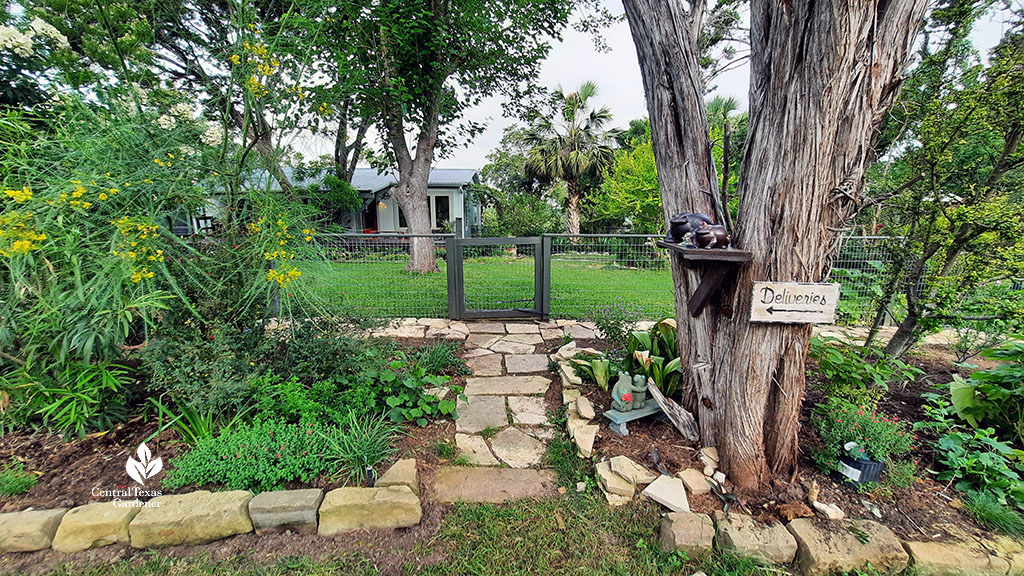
<point x="375" y="286"/>
<point x="444" y="450"/>
<point x="489" y="432"/>
<point x="993" y="514"/>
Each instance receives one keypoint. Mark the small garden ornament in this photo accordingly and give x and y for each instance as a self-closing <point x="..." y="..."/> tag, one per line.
<point x="639" y="391"/>
<point x="682" y="226"/>
<point x="622" y="394"/>
<point x="711" y="236"/>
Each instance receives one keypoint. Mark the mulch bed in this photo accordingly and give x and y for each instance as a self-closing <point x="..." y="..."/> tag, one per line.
<point x="926" y="510"/>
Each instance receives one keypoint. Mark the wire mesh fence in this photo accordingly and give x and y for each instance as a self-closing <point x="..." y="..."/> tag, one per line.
<point x="499" y="277"/>
<point x="366" y="275"/>
<point x="595" y="272"/>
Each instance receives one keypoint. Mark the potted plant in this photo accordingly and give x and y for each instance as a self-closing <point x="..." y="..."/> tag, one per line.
<point x="857" y="441"/>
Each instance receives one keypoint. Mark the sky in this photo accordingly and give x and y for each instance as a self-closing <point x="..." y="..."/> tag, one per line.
<point x="617" y="75"/>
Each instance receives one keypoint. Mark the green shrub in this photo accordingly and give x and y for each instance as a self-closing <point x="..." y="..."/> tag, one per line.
<point x="202" y="367"/>
<point x="871" y="434"/>
<point x="261" y="455"/>
<point x="195" y="424"/>
<point x="90" y="397"/>
<point x="858" y="374"/>
<point x="14" y="479"/>
<point x="363" y="444"/>
<point x="995" y="397"/>
<point x="406" y="397"/>
<point x="616" y="320"/>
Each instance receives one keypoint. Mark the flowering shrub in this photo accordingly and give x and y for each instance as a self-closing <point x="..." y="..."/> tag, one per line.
<point x="616" y="320"/>
<point x="868" y="434"/>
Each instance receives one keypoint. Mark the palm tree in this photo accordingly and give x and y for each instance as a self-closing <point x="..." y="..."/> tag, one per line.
<point x="572" y="145"/>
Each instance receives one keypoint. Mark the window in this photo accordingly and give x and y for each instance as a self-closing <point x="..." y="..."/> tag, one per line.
<point x="442" y="213"/>
<point x="401" y="218"/>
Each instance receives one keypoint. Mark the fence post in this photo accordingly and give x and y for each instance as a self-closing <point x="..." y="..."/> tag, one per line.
<point x="453" y="254"/>
<point x="544" y="282"/>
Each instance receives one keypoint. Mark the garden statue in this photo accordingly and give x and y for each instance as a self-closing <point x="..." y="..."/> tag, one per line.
<point x="711" y="236"/>
<point x="681" y="225"/>
<point x="639" y="391"/>
<point x="622" y="394"/>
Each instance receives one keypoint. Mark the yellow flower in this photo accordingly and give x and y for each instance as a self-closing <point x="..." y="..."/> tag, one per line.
<point x="78" y="192"/>
<point x="20" y="195"/>
<point x="102" y="196"/>
<point x="21" y="246"/>
<point x="308" y="238"/>
<point x="235" y="59"/>
<point x="86" y="205"/>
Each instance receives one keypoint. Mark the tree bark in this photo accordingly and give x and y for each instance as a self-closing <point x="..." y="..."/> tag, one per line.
<point x="822" y="76"/>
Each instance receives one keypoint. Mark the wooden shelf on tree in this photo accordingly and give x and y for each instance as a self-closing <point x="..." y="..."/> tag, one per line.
<point x="716" y="265"/>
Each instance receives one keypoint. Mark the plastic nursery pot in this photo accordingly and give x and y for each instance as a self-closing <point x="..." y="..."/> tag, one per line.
<point x="858" y="471"/>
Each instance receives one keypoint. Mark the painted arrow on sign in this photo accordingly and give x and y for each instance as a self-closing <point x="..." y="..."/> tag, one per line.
<point x="773" y="310"/>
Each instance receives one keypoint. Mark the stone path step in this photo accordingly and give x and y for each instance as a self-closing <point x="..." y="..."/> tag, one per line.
<point x="496" y="485"/>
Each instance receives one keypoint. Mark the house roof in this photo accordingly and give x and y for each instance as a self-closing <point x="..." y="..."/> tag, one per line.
<point x="369" y="179"/>
<point x="372" y="180"/>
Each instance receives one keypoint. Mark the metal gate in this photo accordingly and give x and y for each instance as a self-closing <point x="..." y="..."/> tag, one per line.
<point x="498" y="277"/>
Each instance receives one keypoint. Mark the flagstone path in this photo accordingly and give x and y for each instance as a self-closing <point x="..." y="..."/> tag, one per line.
<point x="502" y="428"/>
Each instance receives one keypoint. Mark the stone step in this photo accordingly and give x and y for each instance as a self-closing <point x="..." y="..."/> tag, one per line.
<point x="507" y="385"/>
<point x="466" y="484"/>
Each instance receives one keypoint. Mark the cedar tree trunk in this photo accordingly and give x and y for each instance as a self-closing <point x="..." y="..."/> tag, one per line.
<point x="823" y="74"/>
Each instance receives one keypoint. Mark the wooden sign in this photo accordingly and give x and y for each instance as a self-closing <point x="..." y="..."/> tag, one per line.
<point x="794" y="302"/>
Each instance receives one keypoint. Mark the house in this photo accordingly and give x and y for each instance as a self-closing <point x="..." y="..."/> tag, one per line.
<point x="453" y="207"/>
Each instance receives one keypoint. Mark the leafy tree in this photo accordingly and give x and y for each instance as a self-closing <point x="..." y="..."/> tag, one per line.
<point x="630" y="193"/>
<point x="570" y="143"/>
<point x="421" y="64"/>
<point x="950" y="188"/>
<point x="822" y="75"/>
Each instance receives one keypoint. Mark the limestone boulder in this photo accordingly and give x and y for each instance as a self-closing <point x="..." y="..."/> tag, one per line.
<point x="29" y="530"/>
<point x="833" y="547"/>
<point x="745" y="536"/>
<point x="953" y="559"/>
<point x="687" y="532"/>
<point x="401" y="473"/>
<point x="193" y="518"/>
<point x="95" y="525"/>
<point x="285" y="510"/>
<point x="347" y="509"/>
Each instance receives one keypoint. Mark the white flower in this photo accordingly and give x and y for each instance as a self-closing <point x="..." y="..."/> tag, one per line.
<point x="182" y="110"/>
<point x="166" y="122"/>
<point x="214" y="136"/>
<point x="187" y="151"/>
<point x="43" y="28"/>
<point x="143" y="96"/>
<point x="15" y="41"/>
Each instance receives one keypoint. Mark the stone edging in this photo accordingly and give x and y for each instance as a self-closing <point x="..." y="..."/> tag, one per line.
<point x="203" y="516"/>
<point x="842" y="546"/>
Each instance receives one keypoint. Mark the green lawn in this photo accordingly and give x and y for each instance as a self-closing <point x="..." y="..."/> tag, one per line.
<point x="382" y="287"/>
